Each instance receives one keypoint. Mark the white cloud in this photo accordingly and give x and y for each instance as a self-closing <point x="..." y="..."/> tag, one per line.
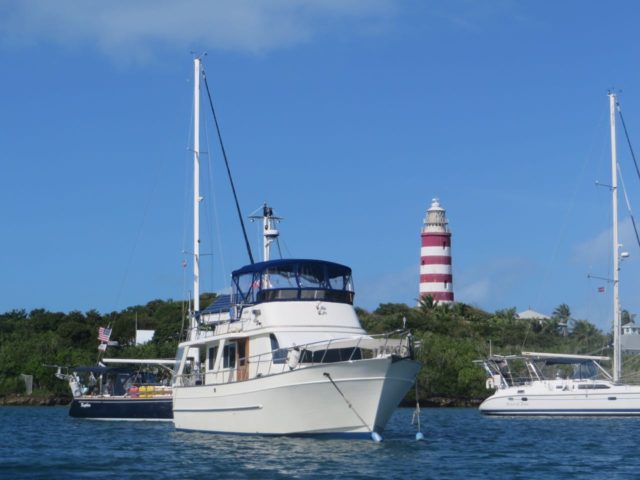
<point x="134" y="29"/>
<point x="393" y="287"/>
<point x="488" y="285"/>
<point x="491" y="284"/>
<point x="475" y="293"/>
<point x="597" y="250"/>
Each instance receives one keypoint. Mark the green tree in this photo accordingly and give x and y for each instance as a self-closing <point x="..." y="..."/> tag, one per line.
<point x="562" y="316"/>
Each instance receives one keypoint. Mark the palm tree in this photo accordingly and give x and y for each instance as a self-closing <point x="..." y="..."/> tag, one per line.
<point x="583" y="330"/>
<point x="562" y="314"/>
<point x="427" y="303"/>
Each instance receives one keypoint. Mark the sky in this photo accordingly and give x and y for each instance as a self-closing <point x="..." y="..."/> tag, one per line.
<point x="346" y="116"/>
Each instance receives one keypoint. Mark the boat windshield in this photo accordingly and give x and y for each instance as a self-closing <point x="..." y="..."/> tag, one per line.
<point x="555" y="369"/>
<point x="576" y="370"/>
<point x="516" y="370"/>
<point x="286" y="280"/>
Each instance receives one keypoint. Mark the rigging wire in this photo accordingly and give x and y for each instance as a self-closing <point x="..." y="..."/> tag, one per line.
<point x="626" y="134"/>
<point x="568" y="214"/>
<point x="635" y="163"/>
<point x="226" y="162"/>
<point x="626" y="198"/>
<point x="214" y="214"/>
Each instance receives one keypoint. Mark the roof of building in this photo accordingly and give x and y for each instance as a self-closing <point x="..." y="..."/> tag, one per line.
<point x="532" y="315"/>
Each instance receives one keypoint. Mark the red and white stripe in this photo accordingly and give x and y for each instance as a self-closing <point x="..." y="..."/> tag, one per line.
<point x="436" y="278"/>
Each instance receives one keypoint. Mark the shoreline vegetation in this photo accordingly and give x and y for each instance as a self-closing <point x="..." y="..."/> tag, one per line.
<point x="450" y="338"/>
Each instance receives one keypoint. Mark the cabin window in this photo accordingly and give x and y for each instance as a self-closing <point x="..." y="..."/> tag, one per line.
<point x="247" y="286"/>
<point x="229" y="355"/>
<point x="213" y="353"/>
<point x="597" y="386"/>
<point x="281" y="277"/>
<point x="279" y="354"/>
<point x="339" y="281"/>
<point x="331" y="355"/>
<point x="312" y="276"/>
<point x="189" y="366"/>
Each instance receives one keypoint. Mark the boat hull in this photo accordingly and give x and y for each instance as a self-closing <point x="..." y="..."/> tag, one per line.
<point x="118" y="408"/>
<point x="617" y="400"/>
<point x="354" y="397"/>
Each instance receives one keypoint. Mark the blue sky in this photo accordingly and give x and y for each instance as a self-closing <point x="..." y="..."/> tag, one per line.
<point x="347" y="116"/>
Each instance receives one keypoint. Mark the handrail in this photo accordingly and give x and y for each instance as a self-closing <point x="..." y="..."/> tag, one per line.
<point x="262" y="365"/>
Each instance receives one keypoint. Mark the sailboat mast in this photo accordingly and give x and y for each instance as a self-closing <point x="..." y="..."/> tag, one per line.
<point x="196" y="189"/>
<point x="617" y="357"/>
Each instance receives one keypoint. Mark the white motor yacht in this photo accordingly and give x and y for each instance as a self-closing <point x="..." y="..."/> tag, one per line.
<point x="285" y="353"/>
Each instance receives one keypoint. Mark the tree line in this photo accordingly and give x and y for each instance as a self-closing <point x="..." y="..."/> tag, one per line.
<point x="450" y="338"/>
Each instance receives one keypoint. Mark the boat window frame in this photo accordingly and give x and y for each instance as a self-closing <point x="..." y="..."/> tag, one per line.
<point x="278" y="355"/>
<point x="212" y="356"/>
<point x="225" y="355"/>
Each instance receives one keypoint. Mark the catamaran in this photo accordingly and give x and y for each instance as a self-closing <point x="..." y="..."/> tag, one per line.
<point x="560" y="384"/>
<point x="285" y="354"/>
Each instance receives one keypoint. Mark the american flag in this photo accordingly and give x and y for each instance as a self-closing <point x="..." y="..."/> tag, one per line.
<point x="104" y="334"/>
<point x="601" y="289"/>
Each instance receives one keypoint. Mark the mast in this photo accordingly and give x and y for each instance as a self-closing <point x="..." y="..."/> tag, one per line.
<point x="617" y="357"/>
<point x="270" y="231"/>
<point x="196" y="191"/>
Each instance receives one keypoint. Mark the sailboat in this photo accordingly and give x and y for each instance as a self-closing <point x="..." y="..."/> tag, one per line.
<point x="289" y="355"/>
<point x="559" y="384"/>
<point x="119" y="389"/>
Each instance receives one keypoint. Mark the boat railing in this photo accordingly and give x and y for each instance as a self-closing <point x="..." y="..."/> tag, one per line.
<point x="283" y="360"/>
<point x="220" y="328"/>
<point x="500" y="374"/>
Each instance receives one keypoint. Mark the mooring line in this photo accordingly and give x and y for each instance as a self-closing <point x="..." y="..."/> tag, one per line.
<point x="326" y="374"/>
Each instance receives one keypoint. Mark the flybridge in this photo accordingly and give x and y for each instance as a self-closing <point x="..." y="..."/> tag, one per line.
<point x="293" y="280"/>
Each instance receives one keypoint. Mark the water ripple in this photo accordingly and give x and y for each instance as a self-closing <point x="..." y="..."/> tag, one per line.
<point x="38" y="442"/>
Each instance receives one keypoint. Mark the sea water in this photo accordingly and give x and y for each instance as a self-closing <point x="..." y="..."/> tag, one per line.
<point x="44" y="442"/>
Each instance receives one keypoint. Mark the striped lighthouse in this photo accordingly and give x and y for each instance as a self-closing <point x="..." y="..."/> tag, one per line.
<point x="435" y="256"/>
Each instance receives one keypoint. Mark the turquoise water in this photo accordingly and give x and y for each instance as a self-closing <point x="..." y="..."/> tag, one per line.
<point x="44" y="442"/>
